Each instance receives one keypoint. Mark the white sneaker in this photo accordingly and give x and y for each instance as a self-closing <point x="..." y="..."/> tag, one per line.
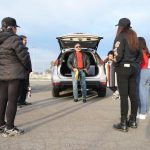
<point x="116" y="95"/>
<point x="142" y="116"/>
<point x="12" y="132"/>
<point x="2" y="128"/>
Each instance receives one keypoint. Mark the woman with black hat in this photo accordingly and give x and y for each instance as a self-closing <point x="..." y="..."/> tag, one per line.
<point x="15" y="65"/>
<point x="127" y="59"/>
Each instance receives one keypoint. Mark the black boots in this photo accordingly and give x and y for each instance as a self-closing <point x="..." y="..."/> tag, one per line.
<point x="132" y="122"/>
<point x="122" y="126"/>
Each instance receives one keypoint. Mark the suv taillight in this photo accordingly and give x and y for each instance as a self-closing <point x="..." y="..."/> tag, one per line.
<point x="57" y="63"/>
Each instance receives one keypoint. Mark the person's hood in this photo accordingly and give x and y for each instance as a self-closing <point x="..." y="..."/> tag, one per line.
<point x="4" y="36"/>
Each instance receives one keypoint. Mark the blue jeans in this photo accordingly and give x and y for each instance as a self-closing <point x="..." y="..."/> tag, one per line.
<point x="82" y="83"/>
<point x="144" y="91"/>
<point x="137" y="83"/>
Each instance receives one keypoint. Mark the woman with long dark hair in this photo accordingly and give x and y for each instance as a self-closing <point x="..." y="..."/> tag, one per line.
<point x="127" y="55"/>
<point x="144" y="89"/>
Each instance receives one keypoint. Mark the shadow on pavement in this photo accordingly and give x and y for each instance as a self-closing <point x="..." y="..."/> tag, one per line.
<point x="49" y="102"/>
<point x="31" y="125"/>
<point x="41" y="104"/>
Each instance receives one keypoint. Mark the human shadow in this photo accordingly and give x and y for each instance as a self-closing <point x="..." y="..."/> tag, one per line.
<point x="31" y="125"/>
<point x="49" y="118"/>
<point x="47" y="103"/>
<point x="42" y="104"/>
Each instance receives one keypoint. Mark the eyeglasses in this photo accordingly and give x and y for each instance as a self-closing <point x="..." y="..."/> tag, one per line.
<point x="78" y="47"/>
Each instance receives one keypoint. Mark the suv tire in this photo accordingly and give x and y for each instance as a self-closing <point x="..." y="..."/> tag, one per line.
<point x="55" y="92"/>
<point x="101" y="92"/>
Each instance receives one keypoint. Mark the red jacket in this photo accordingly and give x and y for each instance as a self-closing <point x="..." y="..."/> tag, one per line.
<point x="144" y="61"/>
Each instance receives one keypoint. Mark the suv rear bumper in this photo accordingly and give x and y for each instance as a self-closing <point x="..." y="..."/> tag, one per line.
<point x="95" y="85"/>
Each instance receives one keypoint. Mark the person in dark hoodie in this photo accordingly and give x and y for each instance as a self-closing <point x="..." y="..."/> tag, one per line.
<point x="15" y="64"/>
<point x="127" y="59"/>
<point x="24" y="83"/>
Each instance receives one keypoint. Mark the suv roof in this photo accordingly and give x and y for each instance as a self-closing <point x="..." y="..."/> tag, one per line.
<point x="86" y="40"/>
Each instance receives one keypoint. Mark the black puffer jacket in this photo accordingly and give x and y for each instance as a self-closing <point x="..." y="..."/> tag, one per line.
<point x="15" y="60"/>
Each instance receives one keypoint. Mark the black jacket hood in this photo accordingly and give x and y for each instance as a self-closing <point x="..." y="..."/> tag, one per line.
<point x="4" y="35"/>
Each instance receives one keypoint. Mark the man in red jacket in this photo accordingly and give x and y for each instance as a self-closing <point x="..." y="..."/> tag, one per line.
<point x="79" y="63"/>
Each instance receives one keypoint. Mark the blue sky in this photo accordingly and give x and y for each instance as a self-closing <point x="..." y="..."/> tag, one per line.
<point x="43" y="20"/>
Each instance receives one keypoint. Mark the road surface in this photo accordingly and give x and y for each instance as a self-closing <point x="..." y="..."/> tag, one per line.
<point x="61" y="124"/>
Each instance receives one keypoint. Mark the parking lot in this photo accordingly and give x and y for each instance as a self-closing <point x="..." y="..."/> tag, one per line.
<point x="61" y="124"/>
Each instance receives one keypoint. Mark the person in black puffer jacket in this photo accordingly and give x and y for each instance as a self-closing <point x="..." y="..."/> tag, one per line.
<point x="15" y="64"/>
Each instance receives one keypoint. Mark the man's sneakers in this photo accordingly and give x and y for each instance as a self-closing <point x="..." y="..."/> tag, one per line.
<point x="12" y="132"/>
<point x="116" y="95"/>
<point x="75" y="100"/>
<point x="84" y="100"/>
<point x="2" y="128"/>
<point x="141" y="116"/>
<point x="24" y="104"/>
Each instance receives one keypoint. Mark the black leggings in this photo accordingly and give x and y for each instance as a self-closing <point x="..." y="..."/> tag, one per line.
<point x="126" y="78"/>
<point x="9" y="91"/>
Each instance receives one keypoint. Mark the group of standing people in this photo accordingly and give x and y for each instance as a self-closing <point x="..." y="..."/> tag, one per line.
<point x="130" y="63"/>
<point x="129" y="59"/>
<point x="127" y="74"/>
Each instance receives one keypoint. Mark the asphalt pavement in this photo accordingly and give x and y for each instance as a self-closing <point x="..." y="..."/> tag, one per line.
<point x="61" y="124"/>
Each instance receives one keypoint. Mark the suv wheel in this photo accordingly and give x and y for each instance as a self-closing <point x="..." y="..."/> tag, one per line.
<point x="55" y="92"/>
<point x="101" y="92"/>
